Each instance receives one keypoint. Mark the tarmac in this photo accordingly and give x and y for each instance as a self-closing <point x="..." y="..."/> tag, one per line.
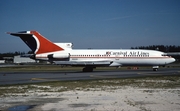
<point x="34" y="77"/>
<point x="106" y="97"/>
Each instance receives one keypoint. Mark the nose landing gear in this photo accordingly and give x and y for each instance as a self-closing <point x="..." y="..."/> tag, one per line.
<point x="155" y="68"/>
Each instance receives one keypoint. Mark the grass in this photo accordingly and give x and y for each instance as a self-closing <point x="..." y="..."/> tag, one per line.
<point x="37" y="68"/>
<point x="59" y="86"/>
<point x="54" y="68"/>
<point x="162" y="82"/>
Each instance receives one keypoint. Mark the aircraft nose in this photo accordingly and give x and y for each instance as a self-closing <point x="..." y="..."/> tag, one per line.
<point x="173" y="60"/>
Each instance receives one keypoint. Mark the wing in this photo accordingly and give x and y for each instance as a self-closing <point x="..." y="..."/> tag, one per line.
<point x="88" y="63"/>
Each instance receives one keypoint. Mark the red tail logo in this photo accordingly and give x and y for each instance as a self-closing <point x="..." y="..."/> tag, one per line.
<point x="43" y="44"/>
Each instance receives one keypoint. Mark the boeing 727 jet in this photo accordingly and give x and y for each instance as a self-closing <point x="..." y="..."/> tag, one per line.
<point x="90" y="58"/>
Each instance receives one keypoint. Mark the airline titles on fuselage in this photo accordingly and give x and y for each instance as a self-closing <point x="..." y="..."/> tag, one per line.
<point x="129" y="54"/>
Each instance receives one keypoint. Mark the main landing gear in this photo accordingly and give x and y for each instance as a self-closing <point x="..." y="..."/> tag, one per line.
<point x="155" y="68"/>
<point x="88" y="69"/>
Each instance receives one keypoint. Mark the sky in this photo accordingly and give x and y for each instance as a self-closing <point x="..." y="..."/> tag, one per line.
<point x="97" y="24"/>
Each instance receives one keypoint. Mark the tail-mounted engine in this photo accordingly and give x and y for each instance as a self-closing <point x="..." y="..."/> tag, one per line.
<point x="59" y="56"/>
<point x="51" y="57"/>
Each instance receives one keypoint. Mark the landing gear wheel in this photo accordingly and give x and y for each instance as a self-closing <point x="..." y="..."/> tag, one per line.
<point x="155" y="69"/>
<point x="87" y="69"/>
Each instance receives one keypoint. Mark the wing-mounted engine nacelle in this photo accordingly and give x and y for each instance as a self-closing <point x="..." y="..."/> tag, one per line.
<point x="59" y="56"/>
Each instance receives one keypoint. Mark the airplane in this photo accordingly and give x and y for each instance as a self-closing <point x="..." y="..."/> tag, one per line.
<point x="44" y="49"/>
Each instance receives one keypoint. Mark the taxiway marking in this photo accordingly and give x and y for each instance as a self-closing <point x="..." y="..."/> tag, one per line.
<point x="93" y="76"/>
<point x="42" y="79"/>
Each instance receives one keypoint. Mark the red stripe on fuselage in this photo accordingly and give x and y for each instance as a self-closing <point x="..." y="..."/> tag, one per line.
<point x="125" y="57"/>
<point x="45" y="45"/>
<point x="118" y="57"/>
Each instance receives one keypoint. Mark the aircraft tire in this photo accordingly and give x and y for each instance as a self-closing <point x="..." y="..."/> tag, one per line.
<point x="87" y="69"/>
<point x="155" y="69"/>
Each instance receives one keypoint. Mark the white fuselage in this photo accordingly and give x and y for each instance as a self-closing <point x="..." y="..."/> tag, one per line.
<point x="111" y="57"/>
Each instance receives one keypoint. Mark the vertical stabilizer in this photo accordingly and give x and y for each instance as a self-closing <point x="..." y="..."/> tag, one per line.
<point x="36" y="42"/>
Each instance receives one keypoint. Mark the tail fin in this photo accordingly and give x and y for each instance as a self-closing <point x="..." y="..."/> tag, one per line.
<point x="36" y="42"/>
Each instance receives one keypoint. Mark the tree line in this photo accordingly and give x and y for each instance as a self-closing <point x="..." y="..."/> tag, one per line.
<point x="12" y="54"/>
<point x="163" y="48"/>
